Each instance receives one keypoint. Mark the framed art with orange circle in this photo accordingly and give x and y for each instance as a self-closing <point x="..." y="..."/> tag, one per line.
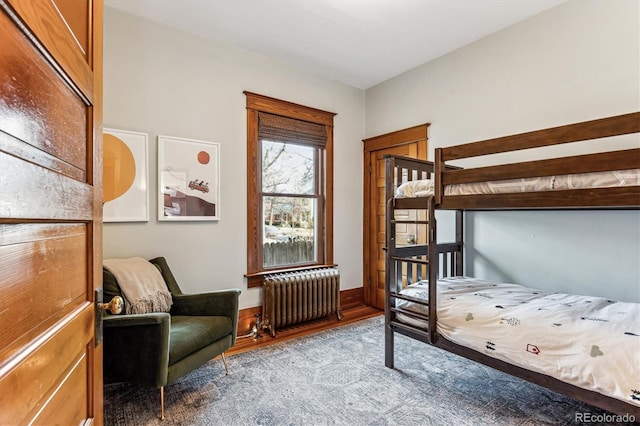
<point x="125" y="195"/>
<point x="188" y="179"/>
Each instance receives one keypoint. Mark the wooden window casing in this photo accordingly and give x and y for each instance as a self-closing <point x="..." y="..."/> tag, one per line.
<point x="270" y="109"/>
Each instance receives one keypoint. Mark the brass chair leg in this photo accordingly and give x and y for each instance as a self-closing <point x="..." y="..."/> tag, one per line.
<point x="224" y="361"/>
<point x="161" y="402"/>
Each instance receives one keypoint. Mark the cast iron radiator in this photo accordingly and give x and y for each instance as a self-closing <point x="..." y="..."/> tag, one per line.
<point x="294" y="297"/>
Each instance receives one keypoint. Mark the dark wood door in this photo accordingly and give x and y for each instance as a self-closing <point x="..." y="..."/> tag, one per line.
<point x="411" y="143"/>
<point x="50" y="210"/>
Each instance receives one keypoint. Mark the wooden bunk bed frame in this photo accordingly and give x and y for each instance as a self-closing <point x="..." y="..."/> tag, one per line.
<point x="620" y="197"/>
<point x="410" y="263"/>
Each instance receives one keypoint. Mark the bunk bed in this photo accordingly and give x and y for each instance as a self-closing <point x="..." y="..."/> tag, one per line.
<point x="429" y="299"/>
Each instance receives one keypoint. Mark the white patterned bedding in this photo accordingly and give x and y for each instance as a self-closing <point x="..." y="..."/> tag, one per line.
<point x="423" y="188"/>
<point x="590" y="342"/>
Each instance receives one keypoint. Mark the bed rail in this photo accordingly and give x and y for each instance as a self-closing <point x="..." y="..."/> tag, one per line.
<point x="618" y="197"/>
<point x="400" y="170"/>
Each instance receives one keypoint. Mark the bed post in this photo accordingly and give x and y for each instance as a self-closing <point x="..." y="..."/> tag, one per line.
<point x="438" y="169"/>
<point x="434" y="265"/>
<point x="389" y="264"/>
<point x="459" y="236"/>
<point x="390" y="273"/>
<point x="388" y="344"/>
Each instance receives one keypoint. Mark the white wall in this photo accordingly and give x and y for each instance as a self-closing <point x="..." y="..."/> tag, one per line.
<point x="161" y="81"/>
<point x="575" y="62"/>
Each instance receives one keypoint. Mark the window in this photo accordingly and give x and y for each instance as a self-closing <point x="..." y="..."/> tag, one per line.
<point x="289" y="187"/>
<point x="291" y="200"/>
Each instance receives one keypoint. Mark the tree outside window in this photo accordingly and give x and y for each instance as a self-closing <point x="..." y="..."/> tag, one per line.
<point x="289" y="207"/>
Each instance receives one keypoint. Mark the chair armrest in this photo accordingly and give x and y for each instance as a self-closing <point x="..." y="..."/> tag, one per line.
<point x="221" y="302"/>
<point x="218" y="303"/>
<point x="136" y="348"/>
<point x="115" y="321"/>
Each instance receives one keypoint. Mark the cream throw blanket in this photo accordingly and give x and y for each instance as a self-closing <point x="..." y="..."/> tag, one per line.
<point x="142" y="285"/>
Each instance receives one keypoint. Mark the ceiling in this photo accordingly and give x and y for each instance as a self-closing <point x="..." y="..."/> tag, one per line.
<point x="357" y="42"/>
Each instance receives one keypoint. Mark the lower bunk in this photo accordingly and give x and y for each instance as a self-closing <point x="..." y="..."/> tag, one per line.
<point x="585" y="347"/>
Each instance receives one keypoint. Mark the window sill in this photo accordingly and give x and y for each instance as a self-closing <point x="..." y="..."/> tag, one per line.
<point x="255" y="279"/>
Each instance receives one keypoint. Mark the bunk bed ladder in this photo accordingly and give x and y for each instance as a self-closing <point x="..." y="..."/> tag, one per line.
<point x="408" y="264"/>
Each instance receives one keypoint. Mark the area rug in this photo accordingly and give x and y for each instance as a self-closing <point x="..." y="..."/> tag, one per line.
<point x="338" y="377"/>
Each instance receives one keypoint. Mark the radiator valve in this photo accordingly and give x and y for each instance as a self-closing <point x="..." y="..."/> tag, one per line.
<point x="257" y="327"/>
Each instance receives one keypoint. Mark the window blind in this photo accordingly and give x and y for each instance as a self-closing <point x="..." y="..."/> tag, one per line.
<point x="284" y="129"/>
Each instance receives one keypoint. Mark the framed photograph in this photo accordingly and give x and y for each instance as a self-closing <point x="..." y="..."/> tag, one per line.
<point x="188" y="179"/>
<point x="125" y="176"/>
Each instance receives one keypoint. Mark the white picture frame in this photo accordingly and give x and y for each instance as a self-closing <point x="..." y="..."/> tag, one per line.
<point x="188" y="179"/>
<point x="133" y="204"/>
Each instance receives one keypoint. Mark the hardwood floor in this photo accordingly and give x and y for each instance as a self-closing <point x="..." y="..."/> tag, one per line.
<point x="349" y="315"/>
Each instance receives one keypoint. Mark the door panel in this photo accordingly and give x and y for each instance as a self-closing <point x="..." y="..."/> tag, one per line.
<point x="50" y="210"/>
<point x="38" y="106"/>
<point x="66" y="405"/>
<point x="75" y="13"/>
<point x="42" y="368"/>
<point x="45" y="23"/>
<point x="39" y="193"/>
<point x="32" y="297"/>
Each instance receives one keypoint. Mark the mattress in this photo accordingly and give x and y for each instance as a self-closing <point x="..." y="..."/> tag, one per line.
<point x="590" y="342"/>
<point x="425" y="187"/>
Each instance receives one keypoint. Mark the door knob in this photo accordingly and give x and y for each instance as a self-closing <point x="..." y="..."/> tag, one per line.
<point x="115" y="306"/>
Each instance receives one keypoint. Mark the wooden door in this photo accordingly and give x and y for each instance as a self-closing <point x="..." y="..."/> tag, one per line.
<point x="412" y="143"/>
<point x="50" y="211"/>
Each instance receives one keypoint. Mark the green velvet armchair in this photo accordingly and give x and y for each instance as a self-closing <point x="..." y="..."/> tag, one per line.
<point x="157" y="349"/>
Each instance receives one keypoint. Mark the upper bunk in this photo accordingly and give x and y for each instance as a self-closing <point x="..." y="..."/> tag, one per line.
<point x="602" y="180"/>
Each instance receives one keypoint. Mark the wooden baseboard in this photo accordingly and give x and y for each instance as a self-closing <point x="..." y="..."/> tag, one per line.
<point x="246" y="318"/>
<point x="296" y="331"/>
<point x="352" y="298"/>
<point x="348" y="299"/>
